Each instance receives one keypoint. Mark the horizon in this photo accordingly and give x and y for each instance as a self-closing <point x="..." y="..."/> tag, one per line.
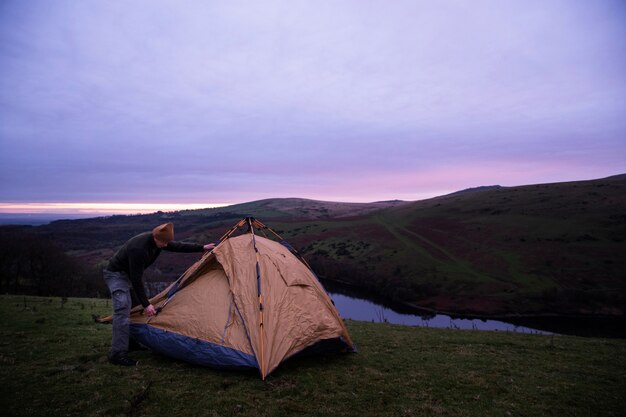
<point x="148" y="103"/>
<point x="43" y="212"/>
<point x="99" y="208"/>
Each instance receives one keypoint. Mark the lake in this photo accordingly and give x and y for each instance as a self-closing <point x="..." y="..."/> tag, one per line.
<point x="364" y="310"/>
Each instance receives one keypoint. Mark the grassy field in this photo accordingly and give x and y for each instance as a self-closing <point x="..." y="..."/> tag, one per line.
<point x="53" y="362"/>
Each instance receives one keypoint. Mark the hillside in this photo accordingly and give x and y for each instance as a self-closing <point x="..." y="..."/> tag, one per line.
<point x="537" y="249"/>
<point x="549" y="248"/>
<point x="301" y="209"/>
<point x="54" y="364"/>
<point x="96" y="239"/>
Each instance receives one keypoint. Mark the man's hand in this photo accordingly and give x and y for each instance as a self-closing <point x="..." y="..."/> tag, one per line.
<point x="209" y="246"/>
<point x="150" y="311"/>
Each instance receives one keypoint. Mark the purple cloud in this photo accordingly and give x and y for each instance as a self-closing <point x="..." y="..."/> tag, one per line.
<point x="148" y="101"/>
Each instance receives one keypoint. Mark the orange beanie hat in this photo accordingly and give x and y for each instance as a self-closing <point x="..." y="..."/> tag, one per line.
<point x="164" y="232"/>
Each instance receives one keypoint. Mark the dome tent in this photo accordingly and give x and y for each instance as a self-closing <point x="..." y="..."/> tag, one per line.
<point x="251" y="302"/>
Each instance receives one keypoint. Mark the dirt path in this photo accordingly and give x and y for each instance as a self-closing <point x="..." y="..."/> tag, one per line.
<point x="444" y="257"/>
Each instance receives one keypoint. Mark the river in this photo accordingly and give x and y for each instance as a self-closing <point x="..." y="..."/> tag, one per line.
<point x="364" y="310"/>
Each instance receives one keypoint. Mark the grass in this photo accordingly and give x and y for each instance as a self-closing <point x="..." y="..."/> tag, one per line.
<point x="53" y="362"/>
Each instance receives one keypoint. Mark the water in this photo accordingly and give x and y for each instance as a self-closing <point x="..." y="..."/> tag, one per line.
<point x="364" y="310"/>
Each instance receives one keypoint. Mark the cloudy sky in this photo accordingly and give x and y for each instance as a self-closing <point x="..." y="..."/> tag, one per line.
<point x="226" y="101"/>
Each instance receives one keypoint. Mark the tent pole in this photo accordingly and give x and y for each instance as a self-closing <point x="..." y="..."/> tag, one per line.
<point x="232" y="229"/>
<point x="258" y="279"/>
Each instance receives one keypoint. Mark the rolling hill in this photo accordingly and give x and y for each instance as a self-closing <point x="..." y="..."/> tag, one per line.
<point x="537" y="249"/>
<point x="532" y="249"/>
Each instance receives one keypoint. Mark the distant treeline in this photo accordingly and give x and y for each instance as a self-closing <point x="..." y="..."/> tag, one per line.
<point x="32" y="264"/>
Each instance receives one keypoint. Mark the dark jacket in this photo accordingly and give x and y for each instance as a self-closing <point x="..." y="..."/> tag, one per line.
<point x="139" y="253"/>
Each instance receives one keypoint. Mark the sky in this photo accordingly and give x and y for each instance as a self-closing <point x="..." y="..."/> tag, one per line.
<point x="166" y="103"/>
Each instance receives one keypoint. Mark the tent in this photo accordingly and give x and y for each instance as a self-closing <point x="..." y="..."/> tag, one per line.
<point x="252" y="302"/>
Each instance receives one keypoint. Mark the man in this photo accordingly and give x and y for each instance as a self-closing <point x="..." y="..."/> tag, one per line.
<point x="124" y="276"/>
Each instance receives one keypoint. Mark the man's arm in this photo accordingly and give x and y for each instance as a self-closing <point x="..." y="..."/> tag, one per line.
<point x="135" y="260"/>
<point x="175" y="246"/>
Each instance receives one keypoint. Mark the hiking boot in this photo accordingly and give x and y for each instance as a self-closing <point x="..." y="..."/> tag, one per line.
<point x="123" y="360"/>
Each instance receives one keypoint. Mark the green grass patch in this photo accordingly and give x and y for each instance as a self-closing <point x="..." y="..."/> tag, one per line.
<point x="53" y="362"/>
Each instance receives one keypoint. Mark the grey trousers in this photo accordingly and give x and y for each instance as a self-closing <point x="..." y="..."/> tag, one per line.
<point x="120" y="288"/>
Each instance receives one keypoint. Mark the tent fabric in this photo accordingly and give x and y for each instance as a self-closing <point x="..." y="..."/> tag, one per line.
<point x="189" y="349"/>
<point x="212" y="314"/>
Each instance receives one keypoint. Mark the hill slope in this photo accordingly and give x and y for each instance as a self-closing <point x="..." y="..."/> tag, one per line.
<point x="549" y="248"/>
<point x="537" y="249"/>
<point x="302" y="209"/>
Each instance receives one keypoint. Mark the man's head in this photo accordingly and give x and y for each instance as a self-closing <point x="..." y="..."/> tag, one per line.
<point x="163" y="234"/>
